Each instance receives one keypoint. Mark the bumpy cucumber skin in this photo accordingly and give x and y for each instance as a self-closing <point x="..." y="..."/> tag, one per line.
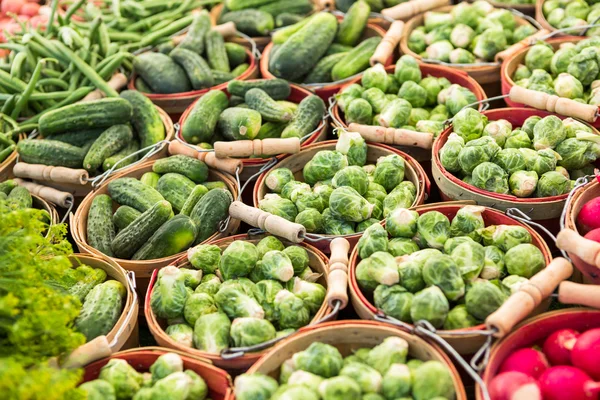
<point x="78" y="138"/>
<point x="50" y="152"/>
<point x="200" y="124"/>
<point x="7" y="186"/>
<point x="142" y="86"/>
<point x="133" y="193"/>
<point x="337" y="48"/>
<point x="101" y="309"/>
<point x="243" y="4"/>
<point x="146" y="119"/>
<point x="215" y="185"/>
<point x="100" y="227"/>
<point x="120" y="156"/>
<point x="175" y="188"/>
<point x="110" y="142"/>
<point x="215" y="52"/>
<point x="174" y="236"/>
<point x="356" y="60"/>
<point x="190" y="167"/>
<point x="278" y="7"/>
<point x="209" y="211"/>
<point x="89" y="279"/>
<point x="150" y="179"/>
<point x="353" y="24"/>
<point x="237" y="123"/>
<point x="197" y="70"/>
<point x="278" y="89"/>
<point x="268" y="108"/>
<point x="308" y="116"/>
<point x="19" y="198"/>
<point x="194" y="40"/>
<point x="322" y="71"/>
<point x="161" y="73"/>
<point x="239" y="70"/>
<point x="236" y="54"/>
<point x="124" y="216"/>
<point x="271" y="130"/>
<point x="251" y="22"/>
<point x="196" y="194"/>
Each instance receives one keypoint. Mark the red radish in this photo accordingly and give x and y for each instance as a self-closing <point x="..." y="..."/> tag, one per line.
<point x="514" y="386"/>
<point x="593" y="235"/>
<point x="38" y="20"/>
<point x="11" y="6"/>
<point x="30" y="9"/>
<point x="586" y="353"/>
<point x="558" y="346"/>
<point x="528" y="361"/>
<point x="589" y="216"/>
<point x="568" y="383"/>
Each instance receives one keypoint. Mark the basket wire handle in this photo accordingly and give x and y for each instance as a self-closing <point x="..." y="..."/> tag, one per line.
<point x="580" y="182"/>
<point x="526" y="17"/>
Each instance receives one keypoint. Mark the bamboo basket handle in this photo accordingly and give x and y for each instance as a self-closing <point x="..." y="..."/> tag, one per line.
<point x="397" y="137"/>
<point x="524" y="43"/>
<point x="387" y="45"/>
<point x="93" y="350"/>
<point x="447" y="203"/>
<point x="409" y="9"/>
<point x="573" y="242"/>
<point x="50" y="174"/>
<point x="62" y="199"/>
<point x="324" y="4"/>
<point x="553" y="103"/>
<point x="575" y="293"/>
<point x="521" y="303"/>
<point x="273" y="224"/>
<point x="117" y="82"/>
<point x="227" y="30"/>
<point x="337" y="279"/>
<point x="257" y="147"/>
<point x="228" y="165"/>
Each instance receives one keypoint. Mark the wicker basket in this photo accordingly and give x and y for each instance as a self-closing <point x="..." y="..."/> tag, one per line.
<point x="295" y="162"/>
<point x="318" y="262"/>
<point x="466" y="344"/>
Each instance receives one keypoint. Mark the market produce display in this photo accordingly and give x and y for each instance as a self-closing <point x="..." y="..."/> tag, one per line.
<point x="467" y="34"/>
<point x="8" y="137"/>
<point x="405" y="99"/>
<point x="167" y="379"/>
<point x="261" y="17"/>
<point x="382" y="372"/>
<point x="570" y="14"/>
<point x="143" y="226"/>
<point x="538" y="159"/>
<point x="340" y="194"/>
<point x="239" y="296"/>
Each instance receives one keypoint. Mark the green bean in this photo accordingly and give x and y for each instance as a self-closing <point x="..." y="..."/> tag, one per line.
<point x="7" y="152"/>
<point x="6" y="140"/>
<point x="53" y="82"/>
<point x="167" y="31"/>
<point x="103" y="39"/>
<point x="74" y="80"/>
<point x="75" y="96"/>
<point x="73" y="8"/>
<point x="149" y="22"/>
<point x="23" y="128"/>
<point x="162" y="24"/>
<point x="12" y="46"/>
<point x="17" y="69"/>
<point x="124" y="36"/>
<point x="51" y="73"/>
<point x="94" y="29"/>
<point x="109" y="69"/>
<point x="9" y="104"/>
<point x="50" y="25"/>
<point x="13" y="83"/>
<point x="38" y="50"/>
<point x="42" y="96"/>
<point x="35" y="76"/>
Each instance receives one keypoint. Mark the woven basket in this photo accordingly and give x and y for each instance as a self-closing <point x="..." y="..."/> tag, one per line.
<point x="9" y="162"/>
<point x="42" y="204"/>
<point x="295" y="162"/>
<point x="318" y="262"/>
<point x="466" y="344"/>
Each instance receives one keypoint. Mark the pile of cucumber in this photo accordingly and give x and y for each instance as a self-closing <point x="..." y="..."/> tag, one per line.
<point x="7" y="137"/>
<point x="318" y="49"/>
<point x="200" y="61"/>
<point x="95" y="135"/>
<point x="17" y="197"/>
<point x="163" y="213"/>
<point x="257" y="109"/>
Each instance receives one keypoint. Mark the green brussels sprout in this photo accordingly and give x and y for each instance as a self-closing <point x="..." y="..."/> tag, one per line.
<point x="304" y="378"/>
<point x="395" y="114"/>
<point x="286" y="370"/>
<point x="433" y="229"/>
<point x="394" y="301"/>
<point x="210" y="284"/>
<point x="354" y="177"/>
<point x="336" y="226"/>
<point x="278" y="178"/>
<point x="524" y="260"/>
<point x="377" y="99"/>
<point x="442" y="272"/>
<point x="490" y="42"/>
<point x="251" y="331"/>
<point x="450" y="152"/>
<point x="469" y="124"/>
<point x="433" y="87"/>
<point x="402" y="246"/>
<point x="572" y="126"/>
<point x="400" y="197"/>
<point x="339" y="388"/>
<point x="407" y="67"/>
<point x="459" y="318"/>
<point x="461" y="36"/>
<point x="544" y="162"/>
<point x="379" y="268"/>
<point x="498" y="130"/>
<point x="505" y="237"/>
<point x="98" y="389"/>
<point x="434" y="20"/>
<point x="359" y="111"/>
<point x="540" y="80"/>
<point x="276" y="265"/>
<point x="393" y="350"/>
<point x="392" y="85"/>
<point x="518" y="139"/>
<point x="440" y="110"/>
<point x="375" y="77"/>
<point x="298" y="256"/>
<point x="254" y="387"/>
<point x="320" y="359"/>
<point x="191" y="278"/>
<point x="577" y="9"/>
<point x="539" y="56"/>
<point x="522" y="72"/>
<point x="294" y="393"/>
<point x="431" y="305"/>
<point x="432" y="379"/>
<point x="551" y="5"/>
<point x="312" y="294"/>
<point x="402" y="223"/>
<point x="175" y="386"/>
<point x="411" y="276"/>
<point x="243" y="285"/>
<point x="555" y="17"/>
<point x="487" y="144"/>
<point x="323" y="166"/>
<point x="373" y="240"/>
<point x="423" y="255"/>
<point x="548" y="133"/>
<point x="198" y="388"/>
<point x="276" y="205"/>
<point x="238" y="259"/>
<point x="353" y="146"/>
<point x="291" y="310"/>
<point x="416" y="42"/>
<point x="350" y="93"/>
<point x="483" y="298"/>
<point x="439" y="51"/>
<point x="293" y="189"/>
<point x="267" y="290"/>
<point x="523" y="183"/>
<point x="469" y="258"/>
<point x="235" y="303"/>
<point x="429" y="126"/>
<point x="267" y="244"/>
<point x="491" y="177"/>
<point x="584" y="66"/>
<point x="466" y="14"/>
<point x="563" y="171"/>
<point x="198" y="304"/>
<point x="367" y="378"/>
<point x="309" y="200"/>
<point x="494" y="263"/>
<point x="311" y="219"/>
<point x="417" y="115"/>
<point x="165" y="365"/>
<point x="513" y="283"/>
<point x="510" y="160"/>
<point x="529" y="125"/>
<point x="438" y="34"/>
<point x="205" y="257"/>
<point x="505" y="17"/>
<point x="566" y="85"/>
<point x="169" y="294"/>
<point x="324" y="191"/>
<point x="467" y="221"/>
<point x="561" y="59"/>
<point x="396" y="382"/>
<point x="457" y="98"/>
<point x="552" y="184"/>
<point x="522" y="32"/>
<point x="347" y="204"/>
<point x="414" y="364"/>
<point x="123" y="377"/>
<point x="412" y="92"/>
<point x="181" y="333"/>
<point x="361" y="227"/>
<point x="576" y="154"/>
<point x="453" y="243"/>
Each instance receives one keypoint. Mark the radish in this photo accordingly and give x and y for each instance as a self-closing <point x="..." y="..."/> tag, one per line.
<point x="30" y="9"/>
<point x="514" y="386"/>
<point x="593" y="235"/>
<point x="568" y="383"/>
<point x="528" y="361"/>
<point x="11" y="6"/>
<point x="586" y="353"/>
<point x="589" y="216"/>
<point x="558" y="346"/>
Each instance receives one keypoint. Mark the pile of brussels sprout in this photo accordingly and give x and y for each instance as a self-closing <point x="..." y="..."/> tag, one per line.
<point x="542" y="158"/>
<point x="404" y="99"/>
<point x="166" y="380"/>
<point x="452" y="274"/>
<point x="246" y="295"/>
<point x="572" y="71"/>
<point x="341" y="194"/>
<point x="379" y="373"/>
<point x="468" y="34"/>
<point x="564" y="14"/>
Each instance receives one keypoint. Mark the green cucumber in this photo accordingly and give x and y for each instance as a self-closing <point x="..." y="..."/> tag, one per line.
<point x="321" y="73"/>
<point x="20" y="198"/>
<point x="77" y="138"/>
<point x="243" y="4"/>
<point x="124" y="156"/>
<point x="146" y="119"/>
<point x="237" y="123"/>
<point x="175" y="188"/>
<point x="142" y="86"/>
<point x="194" y="39"/>
<point x="215" y="51"/>
<point x="200" y="124"/>
<point x="278" y="7"/>
<point x="7" y="186"/>
<point x="280" y="36"/>
<point x="271" y="130"/>
<point x="192" y="168"/>
<point x="100" y="227"/>
<point x="110" y="142"/>
<point x="50" y="152"/>
<point x="89" y="278"/>
<point x="165" y="47"/>
<point x="174" y="236"/>
<point x="353" y="24"/>
<point x="221" y="77"/>
<point x="124" y="216"/>
<point x="131" y="192"/>
<point x="236" y="54"/>
<point x="161" y="73"/>
<point x="150" y="179"/>
<point x="278" y="89"/>
<point x="308" y="117"/>
<point x="209" y="211"/>
<point x="337" y="48"/>
<point x="251" y="22"/>
<point x="356" y="60"/>
<point x="196" y="194"/>
<point x="287" y="19"/>
<point x="268" y="108"/>
<point x="3" y="196"/>
<point x="215" y="185"/>
<point x="195" y="67"/>
<point x="239" y="70"/>
<point x="101" y="309"/>
<point x="235" y="101"/>
<point x="288" y="105"/>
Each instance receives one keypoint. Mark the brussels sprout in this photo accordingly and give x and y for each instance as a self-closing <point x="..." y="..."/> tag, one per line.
<point x="529" y="125"/>
<point x="461" y="36"/>
<point x="347" y="204"/>
<point x="339" y="388"/>
<point x="490" y="177"/>
<point x="304" y="378"/>
<point x="518" y="139"/>
<point x="432" y="379"/>
<point x="324" y="191"/>
<point x="395" y="114"/>
<point x="169" y="294"/>
<point x="416" y="43"/>
<point x="414" y="363"/>
<point x="407" y="67"/>
<point x="276" y="205"/>
<point x="311" y="219"/>
<point x="487" y="144"/>
<point x="291" y="310"/>
<point x="361" y="227"/>
<point x="417" y="115"/>
<point x="552" y="184"/>
<point x="490" y="42"/>
<point x="523" y="183"/>
<point x="494" y="263"/>
<point x="584" y="66"/>
<point x="198" y="304"/>
<point x="354" y="177"/>
<point x="428" y="126"/>
<point x="373" y="240"/>
<point x="457" y="98"/>
<point x="442" y="272"/>
<point x="540" y="79"/>
<point x="413" y="93"/>
<point x="411" y="276"/>
<point x="459" y="318"/>
<point x="123" y="377"/>
<point x="505" y="236"/>
<point x="320" y="359"/>
<point x="423" y="255"/>
<point x="396" y="382"/>
<point x="275" y="265"/>
<point x="392" y="85"/>
<point x="198" y="388"/>
<point x="98" y="389"/>
<point x="379" y="268"/>
<point x="438" y="34"/>
<point x="514" y="282"/>
<point x="278" y="178"/>
<point x="267" y="290"/>
<point x="450" y="152"/>
<point x="539" y="56"/>
<point x="312" y="294"/>
<point x="181" y="333"/>
<point x="394" y="301"/>
<point x="336" y="226"/>
<point x="439" y="51"/>
<point x="165" y="365"/>
<point x="367" y="378"/>
<point x="375" y="77"/>
<point x="402" y="223"/>
<point x="461" y="56"/>
<point x="522" y="32"/>
<point x="469" y="124"/>
<point x="522" y="72"/>
<point x="555" y="17"/>
<point x="576" y="154"/>
<point x="293" y="189"/>
<point x="243" y="285"/>
<point x="469" y="258"/>
<point x="402" y="246"/>
<point x="393" y="350"/>
<point x="433" y="87"/>
<point x="251" y="331"/>
<point x="254" y="387"/>
<point x="353" y="146"/>
<point x="350" y="93"/>
<point x="286" y="370"/>
<point x="548" y="133"/>
<point x="524" y="260"/>
<point x="561" y="60"/>
<point x="498" y="130"/>
<point x="267" y="244"/>
<point x="175" y="386"/>
<point x="567" y="86"/>
<point x="238" y="259"/>
<point x="236" y="303"/>
<point x="467" y="221"/>
<point x="400" y="197"/>
<point x="466" y="14"/>
<point x="563" y="171"/>
<point x="298" y="256"/>
<point x="359" y="111"/>
<point x="440" y="110"/>
<point x="210" y="284"/>
<point x="431" y="305"/>
<point x="577" y="9"/>
<point x="544" y="162"/>
<point x="191" y="278"/>
<point x="453" y="243"/>
<point x="434" y="20"/>
<point x="510" y="160"/>
<point x="377" y="99"/>
<point x="572" y="126"/>
<point x="205" y="257"/>
<point x="323" y="166"/>
<point x="483" y="298"/>
<point x="309" y="200"/>
<point x="433" y="229"/>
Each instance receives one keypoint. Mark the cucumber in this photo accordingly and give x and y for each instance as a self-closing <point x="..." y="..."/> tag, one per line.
<point x="237" y="123"/>
<point x="124" y="156"/>
<point x="243" y="4"/>
<point x="77" y="138"/>
<point x="101" y="309"/>
<point x="239" y="70"/>
<point x="88" y="278"/>
<point x="280" y="36"/>
<point x="195" y="67"/>
<point x="344" y="5"/>
<point x="278" y="7"/>
<point x="287" y="19"/>
<point x="337" y="48"/>
<point x="221" y="77"/>
<point x="146" y="119"/>
<point x="268" y="108"/>
<point x="101" y="113"/>
<point x="200" y="124"/>
<point x="301" y="52"/>
<point x="236" y="54"/>
<point x="133" y="237"/>
<point x="142" y="86"/>
<point x="133" y="193"/>
<point x="215" y="51"/>
<point x="288" y="105"/>
<point x="235" y="101"/>
<point x="197" y="192"/>
<point x="309" y="115"/>
<point x="321" y="73"/>
<point x="150" y="179"/>
<point x="356" y="60"/>
<point x="190" y="167"/>
<point x="174" y="236"/>
<point x="353" y="24"/>
<point x="271" y="130"/>
<point x="194" y="40"/>
<point x="215" y="185"/>
<point x="19" y="198"/>
<point x="100" y="227"/>
<point x="110" y="142"/>
<point x="175" y="188"/>
<point x="278" y="89"/>
<point x="166" y="47"/>
<point x="50" y="152"/>
<point x="124" y="216"/>
<point x="7" y="186"/>
<point x="161" y="73"/>
<point x="3" y="196"/>
<point x="251" y="22"/>
<point x="210" y="210"/>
